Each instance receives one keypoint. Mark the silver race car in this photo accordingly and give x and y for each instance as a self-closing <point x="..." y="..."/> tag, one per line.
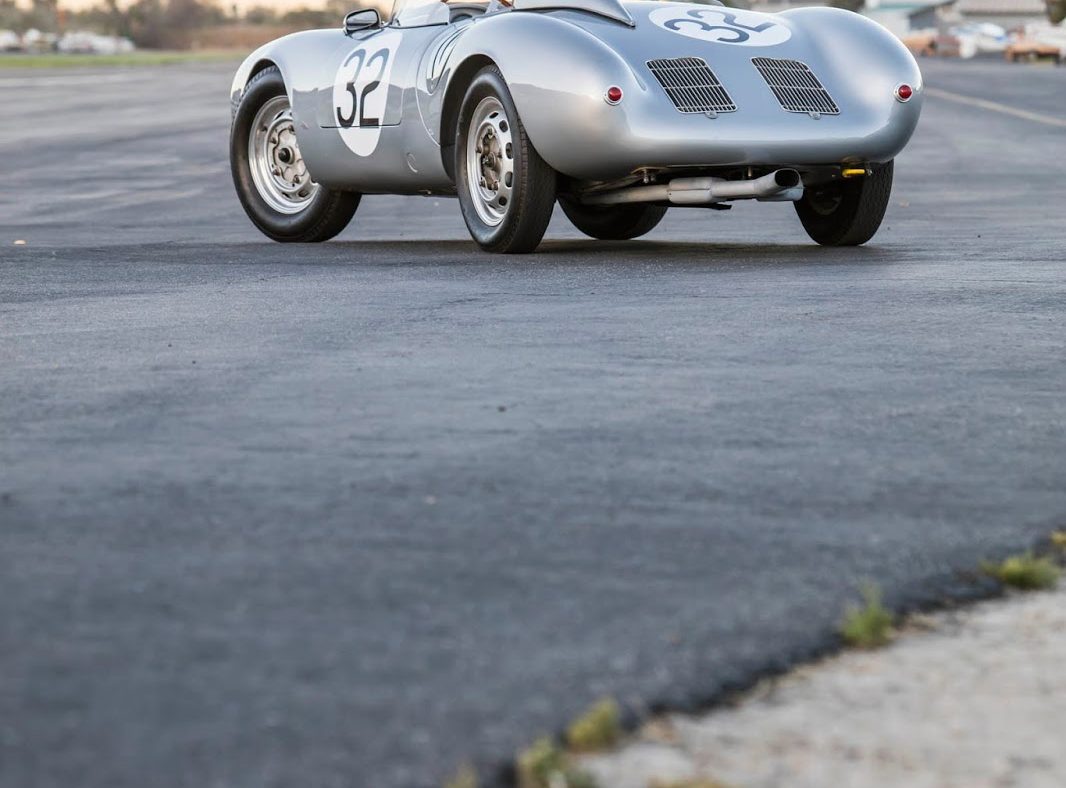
<point x="617" y="109"/>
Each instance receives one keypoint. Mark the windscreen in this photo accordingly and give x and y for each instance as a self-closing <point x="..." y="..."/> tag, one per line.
<point x="419" y="13"/>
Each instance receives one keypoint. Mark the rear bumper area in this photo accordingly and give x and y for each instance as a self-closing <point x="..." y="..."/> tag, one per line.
<point x="591" y="139"/>
<point x="666" y="138"/>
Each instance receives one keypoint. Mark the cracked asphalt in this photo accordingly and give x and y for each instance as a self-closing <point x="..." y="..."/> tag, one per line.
<point x="352" y="514"/>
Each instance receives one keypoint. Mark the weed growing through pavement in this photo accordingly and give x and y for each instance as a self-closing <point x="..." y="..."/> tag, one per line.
<point x="871" y="625"/>
<point x="545" y="765"/>
<point x="597" y="729"/>
<point x="1025" y="572"/>
<point x="466" y="777"/>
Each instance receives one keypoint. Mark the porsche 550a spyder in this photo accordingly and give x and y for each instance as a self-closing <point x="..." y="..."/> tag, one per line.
<point x="615" y="109"/>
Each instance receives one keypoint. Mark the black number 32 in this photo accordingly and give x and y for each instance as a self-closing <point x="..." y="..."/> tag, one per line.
<point x="359" y="97"/>
<point x="741" y="32"/>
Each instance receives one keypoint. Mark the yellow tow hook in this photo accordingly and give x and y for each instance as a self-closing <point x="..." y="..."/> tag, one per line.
<point x="852" y="172"/>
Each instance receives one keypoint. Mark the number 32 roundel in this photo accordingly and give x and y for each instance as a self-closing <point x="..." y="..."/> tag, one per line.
<point x="361" y="90"/>
<point x="721" y="25"/>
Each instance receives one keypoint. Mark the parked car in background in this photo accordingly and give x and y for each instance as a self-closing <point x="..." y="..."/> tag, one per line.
<point x="930" y="43"/>
<point x="981" y="37"/>
<point x="84" y="42"/>
<point x="950" y="45"/>
<point x="34" y="40"/>
<point x="10" y="41"/>
<point x="921" y="43"/>
<point x="1038" y="42"/>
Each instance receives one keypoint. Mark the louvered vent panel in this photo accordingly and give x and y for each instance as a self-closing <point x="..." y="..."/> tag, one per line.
<point x="691" y="85"/>
<point x="795" y="86"/>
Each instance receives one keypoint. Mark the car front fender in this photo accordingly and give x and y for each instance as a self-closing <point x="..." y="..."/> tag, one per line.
<point x="298" y="56"/>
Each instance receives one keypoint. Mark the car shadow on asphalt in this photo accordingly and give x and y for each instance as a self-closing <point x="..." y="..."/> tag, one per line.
<point x="683" y="249"/>
<point x="407" y="252"/>
<point x="563" y="252"/>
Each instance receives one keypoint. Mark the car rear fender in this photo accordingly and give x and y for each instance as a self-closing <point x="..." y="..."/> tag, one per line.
<point x="558" y="75"/>
<point x="872" y="59"/>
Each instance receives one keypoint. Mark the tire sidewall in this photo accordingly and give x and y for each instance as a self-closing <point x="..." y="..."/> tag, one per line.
<point x="266" y="85"/>
<point x="858" y="215"/>
<point x="828" y="226"/>
<point x="489" y="82"/>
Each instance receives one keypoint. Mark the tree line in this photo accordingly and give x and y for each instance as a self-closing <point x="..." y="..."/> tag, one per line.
<point x="154" y="24"/>
<point x="161" y="23"/>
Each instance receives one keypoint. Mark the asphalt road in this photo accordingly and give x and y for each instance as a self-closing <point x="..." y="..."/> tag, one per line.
<point x="349" y="515"/>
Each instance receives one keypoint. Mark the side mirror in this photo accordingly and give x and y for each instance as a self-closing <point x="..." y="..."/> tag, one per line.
<point x="361" y="20"/>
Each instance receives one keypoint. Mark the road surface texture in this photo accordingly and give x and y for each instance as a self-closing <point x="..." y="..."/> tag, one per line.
<point x="352" y="514"/>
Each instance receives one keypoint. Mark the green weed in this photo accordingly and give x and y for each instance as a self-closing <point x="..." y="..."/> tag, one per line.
<point x="871" y="625"/>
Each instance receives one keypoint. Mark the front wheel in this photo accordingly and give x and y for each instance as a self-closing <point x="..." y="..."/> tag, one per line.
<point x="506" y="190"/>
<point x="846" y="212"/>
<point x="270" y="175"/>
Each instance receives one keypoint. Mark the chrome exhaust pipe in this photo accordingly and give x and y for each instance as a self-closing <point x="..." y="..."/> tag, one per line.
<point x="780" y="185"/>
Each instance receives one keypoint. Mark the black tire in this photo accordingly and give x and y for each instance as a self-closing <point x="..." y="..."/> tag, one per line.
<point x="533" y="192"/>
<point x="613" y="222"/>
<point x="847" y="212"/>
<point x="327" y="212"/>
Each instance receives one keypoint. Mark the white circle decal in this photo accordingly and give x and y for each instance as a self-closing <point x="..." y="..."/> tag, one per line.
<point x="721" y="25"/>
<point x="361" y="92"/>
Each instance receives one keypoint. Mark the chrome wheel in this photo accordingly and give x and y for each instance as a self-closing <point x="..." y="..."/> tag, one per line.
<point x="490" y="161"/>
<point x="278" y="169"/>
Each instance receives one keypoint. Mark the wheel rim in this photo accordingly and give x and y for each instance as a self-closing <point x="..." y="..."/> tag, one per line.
<point x="825" y="201"/>
<point x="490" y="161"/>
<point x="278" y="168"/>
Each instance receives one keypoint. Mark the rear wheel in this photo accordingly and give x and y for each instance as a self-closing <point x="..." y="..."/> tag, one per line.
<point x="614" y="222"/>
<point x="506" y="190"/>
<point x="269" y="172"/>
<point x="847" y="212"/>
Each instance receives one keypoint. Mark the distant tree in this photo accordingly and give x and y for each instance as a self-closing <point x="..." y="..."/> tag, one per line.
<point x="1056" y="10"/>
<point x="191" y="14"/>
<point x="153" y="24"/>
<point x="166" y="24"/>
<point x="147" y="23"/>
<point x="10" y="16"/>
<point x="848" y="5"/>
<point x="105" y="17"/>
<point x="117" y="20"/>
<point x="261" y="15"/>
<point x="310" y="18"/>
<point x="42" y="15"/>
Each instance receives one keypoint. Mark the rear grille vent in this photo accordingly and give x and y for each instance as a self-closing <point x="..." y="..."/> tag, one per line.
<point x="796" y="87"/>
<point x="691" y="85"/>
